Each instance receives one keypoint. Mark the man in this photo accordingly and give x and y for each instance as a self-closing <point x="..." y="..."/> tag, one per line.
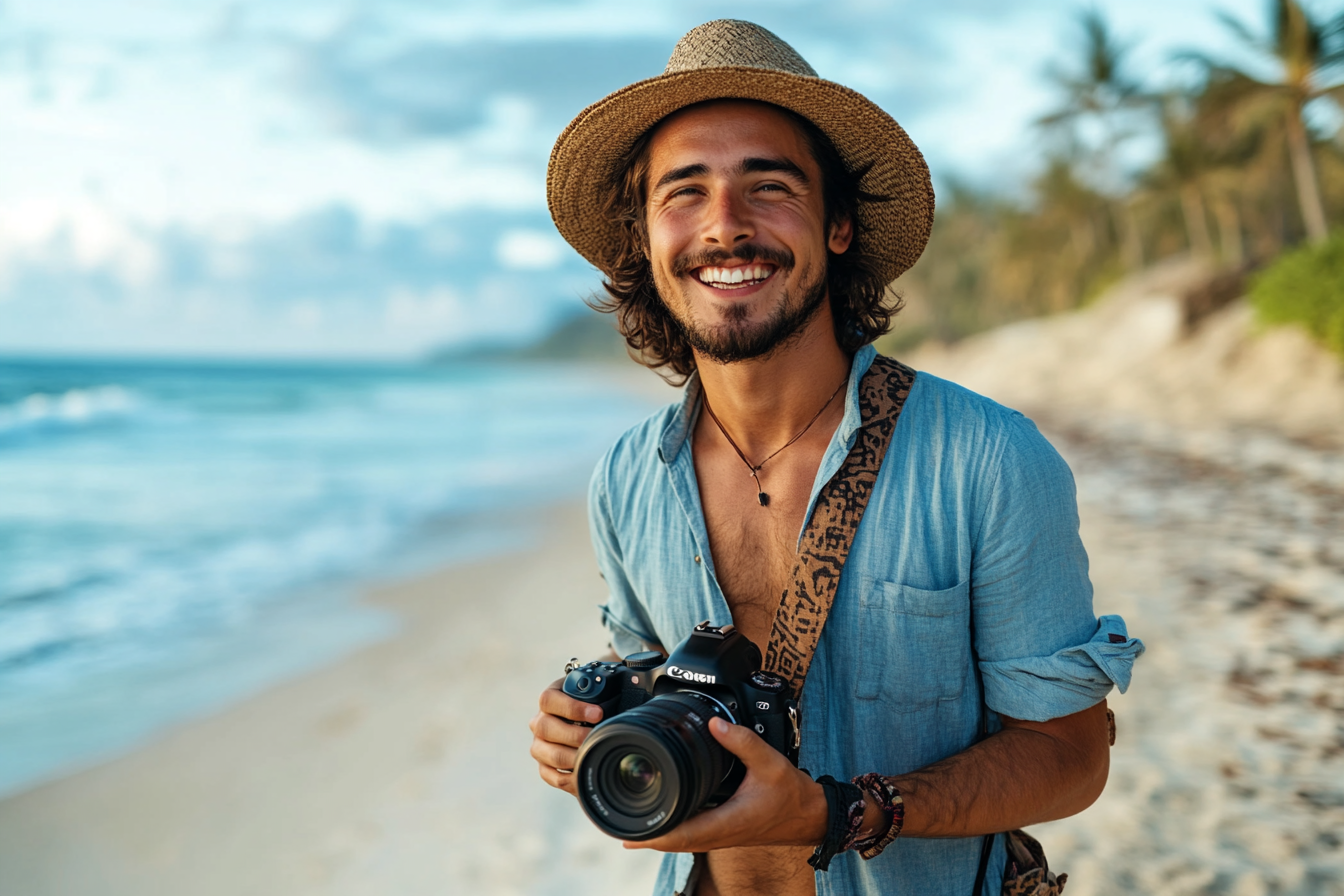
<point x="748" y="216"/>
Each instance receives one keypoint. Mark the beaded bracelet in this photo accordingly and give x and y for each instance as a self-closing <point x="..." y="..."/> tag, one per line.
<point x="889" y="800"/>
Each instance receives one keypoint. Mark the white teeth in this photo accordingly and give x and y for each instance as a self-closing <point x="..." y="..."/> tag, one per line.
<point x="733" y="276"/>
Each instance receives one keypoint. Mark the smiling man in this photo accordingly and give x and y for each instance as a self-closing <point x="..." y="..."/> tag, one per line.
<point x="748" y="217"/>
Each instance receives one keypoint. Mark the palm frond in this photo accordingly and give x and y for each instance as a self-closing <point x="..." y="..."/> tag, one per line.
<point x="1332" y="43"/>
<point x="1244" y="33"/>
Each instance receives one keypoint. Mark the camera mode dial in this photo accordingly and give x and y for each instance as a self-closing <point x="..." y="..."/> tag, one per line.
<point x="648" y="659"/>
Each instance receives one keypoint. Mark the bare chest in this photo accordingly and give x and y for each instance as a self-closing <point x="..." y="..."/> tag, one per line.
<point x="754" y="547"/>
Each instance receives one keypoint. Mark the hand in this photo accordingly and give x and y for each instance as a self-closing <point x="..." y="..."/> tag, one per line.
<point x="555" y="739"/>
<point x="776" y="804"/>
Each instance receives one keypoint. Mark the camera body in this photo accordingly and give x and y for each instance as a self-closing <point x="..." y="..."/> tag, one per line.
<point x="652" y="762"/>
<point x="613" y="686"/>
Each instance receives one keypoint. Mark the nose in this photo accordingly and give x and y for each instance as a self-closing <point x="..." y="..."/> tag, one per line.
<point x="727" y="221"/>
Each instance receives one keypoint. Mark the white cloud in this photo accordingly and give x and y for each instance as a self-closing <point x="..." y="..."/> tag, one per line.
<point x="87" y="233"/>
<point x="529" y="250"/>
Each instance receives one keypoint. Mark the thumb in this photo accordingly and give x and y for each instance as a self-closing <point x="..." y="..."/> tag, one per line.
<point x="741" y="741"/>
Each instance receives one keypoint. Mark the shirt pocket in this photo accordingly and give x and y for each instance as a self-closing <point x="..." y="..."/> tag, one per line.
<point x="914" y="645"/>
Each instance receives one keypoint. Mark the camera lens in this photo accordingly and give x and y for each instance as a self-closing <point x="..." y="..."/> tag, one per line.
<point x="643" y="772"/>
<point x="637" y="773"/>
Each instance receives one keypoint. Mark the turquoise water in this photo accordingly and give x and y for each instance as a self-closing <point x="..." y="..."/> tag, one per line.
<point x="173" y="537"/>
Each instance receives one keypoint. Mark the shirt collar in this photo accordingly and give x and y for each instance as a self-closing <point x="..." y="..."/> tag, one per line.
<point x="678" y="428"/>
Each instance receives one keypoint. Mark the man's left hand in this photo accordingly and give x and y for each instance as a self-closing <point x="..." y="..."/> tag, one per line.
<point x="776" y="804"/>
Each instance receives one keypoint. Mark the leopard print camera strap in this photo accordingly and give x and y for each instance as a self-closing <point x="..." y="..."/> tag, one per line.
<point x="830" y="531"/>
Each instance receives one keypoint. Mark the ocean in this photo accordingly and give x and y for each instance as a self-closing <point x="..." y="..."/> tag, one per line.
<point x="174" y="537"/>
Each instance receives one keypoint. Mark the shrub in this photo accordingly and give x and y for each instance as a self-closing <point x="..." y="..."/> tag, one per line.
<point x="1305" y="286"/>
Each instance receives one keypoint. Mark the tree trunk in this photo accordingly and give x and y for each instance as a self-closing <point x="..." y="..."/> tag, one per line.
<point x="1196" y="225"/>
<point x="1080" y="233"/>
<point x="1229" y="231"/>
<point x="1131" y="244"/>
<point x="1304" y="174"/>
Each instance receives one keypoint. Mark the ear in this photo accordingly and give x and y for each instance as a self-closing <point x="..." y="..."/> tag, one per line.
<point x="840" y="236"/>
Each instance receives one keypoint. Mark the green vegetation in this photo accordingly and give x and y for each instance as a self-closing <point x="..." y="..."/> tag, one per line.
<point x="1239" y="178"/>
<point x="1306" y="286"/>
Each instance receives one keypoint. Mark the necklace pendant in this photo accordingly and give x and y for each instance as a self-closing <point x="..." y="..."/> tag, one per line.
<point x="763" y="498"/>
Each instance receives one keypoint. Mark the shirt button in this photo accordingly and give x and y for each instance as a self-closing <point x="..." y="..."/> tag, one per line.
<point x="697" y="558"/>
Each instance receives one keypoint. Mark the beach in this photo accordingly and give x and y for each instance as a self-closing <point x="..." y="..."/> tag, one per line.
<point x="403" y="766"/>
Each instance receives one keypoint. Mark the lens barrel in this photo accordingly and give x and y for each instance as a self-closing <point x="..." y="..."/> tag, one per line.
<point x="645" y="771"/>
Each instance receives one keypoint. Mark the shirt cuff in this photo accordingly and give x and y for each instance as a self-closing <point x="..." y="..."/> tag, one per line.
<point x="1040" y="688"/>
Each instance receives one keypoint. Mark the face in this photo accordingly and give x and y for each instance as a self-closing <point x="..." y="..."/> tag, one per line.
<point x="736" y="227"/>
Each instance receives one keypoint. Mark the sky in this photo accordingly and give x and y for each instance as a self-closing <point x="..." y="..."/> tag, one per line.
<point x="367" y="180"/>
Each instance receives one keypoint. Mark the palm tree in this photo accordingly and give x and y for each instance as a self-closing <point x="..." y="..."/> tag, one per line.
<point x="1101" y="101"/>
<point x="1306" y="54"/>
<point x="1184" y="168"/>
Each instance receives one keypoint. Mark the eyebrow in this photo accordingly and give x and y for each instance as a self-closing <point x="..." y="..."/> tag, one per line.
<point x="758" y="166"/>
<point x="751" y="165"/>
<point x="685" y="172"/>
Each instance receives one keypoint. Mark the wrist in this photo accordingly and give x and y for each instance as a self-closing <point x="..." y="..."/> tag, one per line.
<point x="874" y="819"/>
<point x="884" y="793"/>
<point x="816" y="812"/>
<point x="845" y="805"/>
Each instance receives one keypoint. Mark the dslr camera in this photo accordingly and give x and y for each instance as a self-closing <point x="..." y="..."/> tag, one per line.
<point x="652" y="763"/>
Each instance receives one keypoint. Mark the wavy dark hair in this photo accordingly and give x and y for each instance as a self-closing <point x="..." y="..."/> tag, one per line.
<point x="861" y="306"/>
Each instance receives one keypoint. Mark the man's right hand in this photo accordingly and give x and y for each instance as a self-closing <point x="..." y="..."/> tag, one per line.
<point x="555" y="737"/>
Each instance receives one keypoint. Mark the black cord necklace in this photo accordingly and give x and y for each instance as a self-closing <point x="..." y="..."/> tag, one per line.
<point x="755" y="469"/>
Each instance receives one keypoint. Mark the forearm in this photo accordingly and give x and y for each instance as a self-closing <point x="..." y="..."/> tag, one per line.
<point x="1025" y="774"/>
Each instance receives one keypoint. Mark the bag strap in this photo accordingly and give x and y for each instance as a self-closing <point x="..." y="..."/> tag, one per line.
<point x="830" y="530"/>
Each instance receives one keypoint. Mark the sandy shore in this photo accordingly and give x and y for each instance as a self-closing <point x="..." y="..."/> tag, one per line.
<point x="401" y="769"/>
<point x="404" y="768"/>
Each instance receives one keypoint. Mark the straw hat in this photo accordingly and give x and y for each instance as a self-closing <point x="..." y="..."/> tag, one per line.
<point x="731" y="59"/>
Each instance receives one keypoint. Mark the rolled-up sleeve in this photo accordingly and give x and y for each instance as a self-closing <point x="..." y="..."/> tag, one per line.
<point x="1042" y="653"/>
<point x="622" y="614"/>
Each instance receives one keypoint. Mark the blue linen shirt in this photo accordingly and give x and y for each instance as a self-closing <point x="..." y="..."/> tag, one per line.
<point x="973" y="510"/>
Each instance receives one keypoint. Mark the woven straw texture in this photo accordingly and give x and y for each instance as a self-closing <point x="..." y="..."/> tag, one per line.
<point x="731" y="59"/>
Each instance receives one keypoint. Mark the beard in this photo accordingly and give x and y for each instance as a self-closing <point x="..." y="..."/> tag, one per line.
<point x="732" y="337"/>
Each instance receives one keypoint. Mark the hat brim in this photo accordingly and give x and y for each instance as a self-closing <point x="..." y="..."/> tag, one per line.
<point x="587" y="154"/>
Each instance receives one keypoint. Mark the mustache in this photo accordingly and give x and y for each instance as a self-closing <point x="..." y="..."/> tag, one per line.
<point x="748" y="252"/>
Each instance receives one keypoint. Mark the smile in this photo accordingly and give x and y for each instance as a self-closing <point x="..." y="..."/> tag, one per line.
<point x="739" y="277"/>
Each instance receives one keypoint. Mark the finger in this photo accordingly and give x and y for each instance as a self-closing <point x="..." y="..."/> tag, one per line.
<point x="743" y="743"/>
<point x="554" y="755"/>
<point x="557" y="779"/>
<point x="556" y="702"/>
<point x="558" y="731"/>
<point x="714" y="829"/>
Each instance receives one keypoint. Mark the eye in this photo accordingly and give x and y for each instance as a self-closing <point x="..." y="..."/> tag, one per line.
<point x="682" y="193"/>
<point x="773" y="187"/>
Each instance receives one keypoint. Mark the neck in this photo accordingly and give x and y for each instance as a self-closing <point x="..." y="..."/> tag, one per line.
<point x="765" y="401"/>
